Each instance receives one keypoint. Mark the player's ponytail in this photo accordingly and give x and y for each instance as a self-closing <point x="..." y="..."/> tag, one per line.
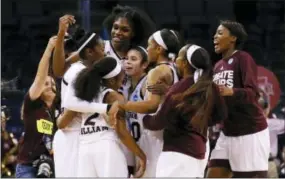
<point x="198" y="100"/>
<point x="88" y="83"/>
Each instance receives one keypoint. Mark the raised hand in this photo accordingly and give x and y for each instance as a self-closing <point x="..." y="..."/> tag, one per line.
<point x="51" y="42"/>
<point x="65" y="21"/>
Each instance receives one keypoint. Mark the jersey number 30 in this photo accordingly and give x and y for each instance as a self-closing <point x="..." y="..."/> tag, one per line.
<point x="136" y="130"/>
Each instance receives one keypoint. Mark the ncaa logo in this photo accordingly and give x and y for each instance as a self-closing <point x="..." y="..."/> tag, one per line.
<point x="135" y="98"/>
<point x="230" y="61"/>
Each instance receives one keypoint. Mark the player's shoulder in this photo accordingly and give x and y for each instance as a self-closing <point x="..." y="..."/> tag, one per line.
<point x="243" y="55"/>
<point x="75" y="67"/>
<point x="107" y="45"/>
<point x="218" y="63"/>
<point x="73" y="70"/>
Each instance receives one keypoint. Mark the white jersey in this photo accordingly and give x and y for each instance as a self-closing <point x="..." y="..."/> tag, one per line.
<point x="124" y="89"/>
<point x="68" y="79"/>
<point x="94" y="127"/>
<point x="66" y="141"/>
<point x="110" y="51"/>
<point x="135" y="119"/>
<point x="159" y="134"/>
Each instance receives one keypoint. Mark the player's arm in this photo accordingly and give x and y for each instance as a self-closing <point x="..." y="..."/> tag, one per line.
<point x="151" y="104"/>
<point x="65" y="119"/>
<point x="159" y="120"/>
<point x="73" y="103"/>
<point x="248" y="70"/>
<point x="59" y="65"/>
<point x="122" y="131"/>
<point x="39" y="83"/>
<point x="219" y="112"/>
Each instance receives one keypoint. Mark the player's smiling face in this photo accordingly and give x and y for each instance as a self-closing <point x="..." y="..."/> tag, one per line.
<point x="121" y="32"/>
<point x="223" y="40"/>
<point x="133" y="64"/>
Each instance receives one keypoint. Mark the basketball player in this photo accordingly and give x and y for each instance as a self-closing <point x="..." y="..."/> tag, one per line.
<point x="66" y="140"/>
<point x="128" y="27"/>
<point x="135" y="67"/>
<point x="185" y="70"/>
<point x="189" y="108"/>
<point x="163" y="46"/>
<point x="243" y="146"/>
<point x="100" y="154"/>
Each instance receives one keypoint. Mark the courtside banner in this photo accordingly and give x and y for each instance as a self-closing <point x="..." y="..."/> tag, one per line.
<point x="270" y="84"/>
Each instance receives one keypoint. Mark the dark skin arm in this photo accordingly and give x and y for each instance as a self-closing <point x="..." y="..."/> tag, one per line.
<point x="151" y="104"/>
<point x="59" y="65"/>
<point x="65" y="118"/>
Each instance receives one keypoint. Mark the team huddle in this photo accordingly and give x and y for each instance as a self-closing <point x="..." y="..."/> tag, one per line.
<point x="129" y="110"/>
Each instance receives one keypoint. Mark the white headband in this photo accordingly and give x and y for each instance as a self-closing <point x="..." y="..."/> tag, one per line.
<point x="143" y="49"/>
<point x="157" y="37"/>
<point x="86" y="42"/>
<point x="82" y="46"/>
<point x="190" y="52"/>
<point x="114" y="72"/>
<point x="198" y="72"/>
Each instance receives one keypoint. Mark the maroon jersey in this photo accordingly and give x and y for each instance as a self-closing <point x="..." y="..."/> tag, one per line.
<point x="32" y="145"/>
<point x="179" y="135"/>
<point x="245" y="116"/>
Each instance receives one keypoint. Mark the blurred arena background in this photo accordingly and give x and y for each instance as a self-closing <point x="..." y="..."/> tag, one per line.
<point x="28" y="24"/>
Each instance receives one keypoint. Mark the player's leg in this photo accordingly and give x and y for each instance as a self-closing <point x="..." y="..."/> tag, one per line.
<point x="249" y="155"/>
<point x="110" y="160"/>
<point x="219" y="166"/>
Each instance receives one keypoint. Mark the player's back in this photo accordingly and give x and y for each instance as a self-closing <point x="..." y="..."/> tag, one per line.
<point x="68" y="79"/>
<point x="94" y="127"/>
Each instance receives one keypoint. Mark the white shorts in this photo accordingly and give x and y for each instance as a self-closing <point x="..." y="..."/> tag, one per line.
<point x="65" y="147"/>
<point x="130" y="157"/>
<point x="152" y="147"/>
<point x="206" y="159"/>
<point x="174" y="164"/>
<point x="245" y="153"/>
<point x="102" y="158"/>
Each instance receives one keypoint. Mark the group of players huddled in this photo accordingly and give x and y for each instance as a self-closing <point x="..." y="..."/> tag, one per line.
<point x="134" y="111"/>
